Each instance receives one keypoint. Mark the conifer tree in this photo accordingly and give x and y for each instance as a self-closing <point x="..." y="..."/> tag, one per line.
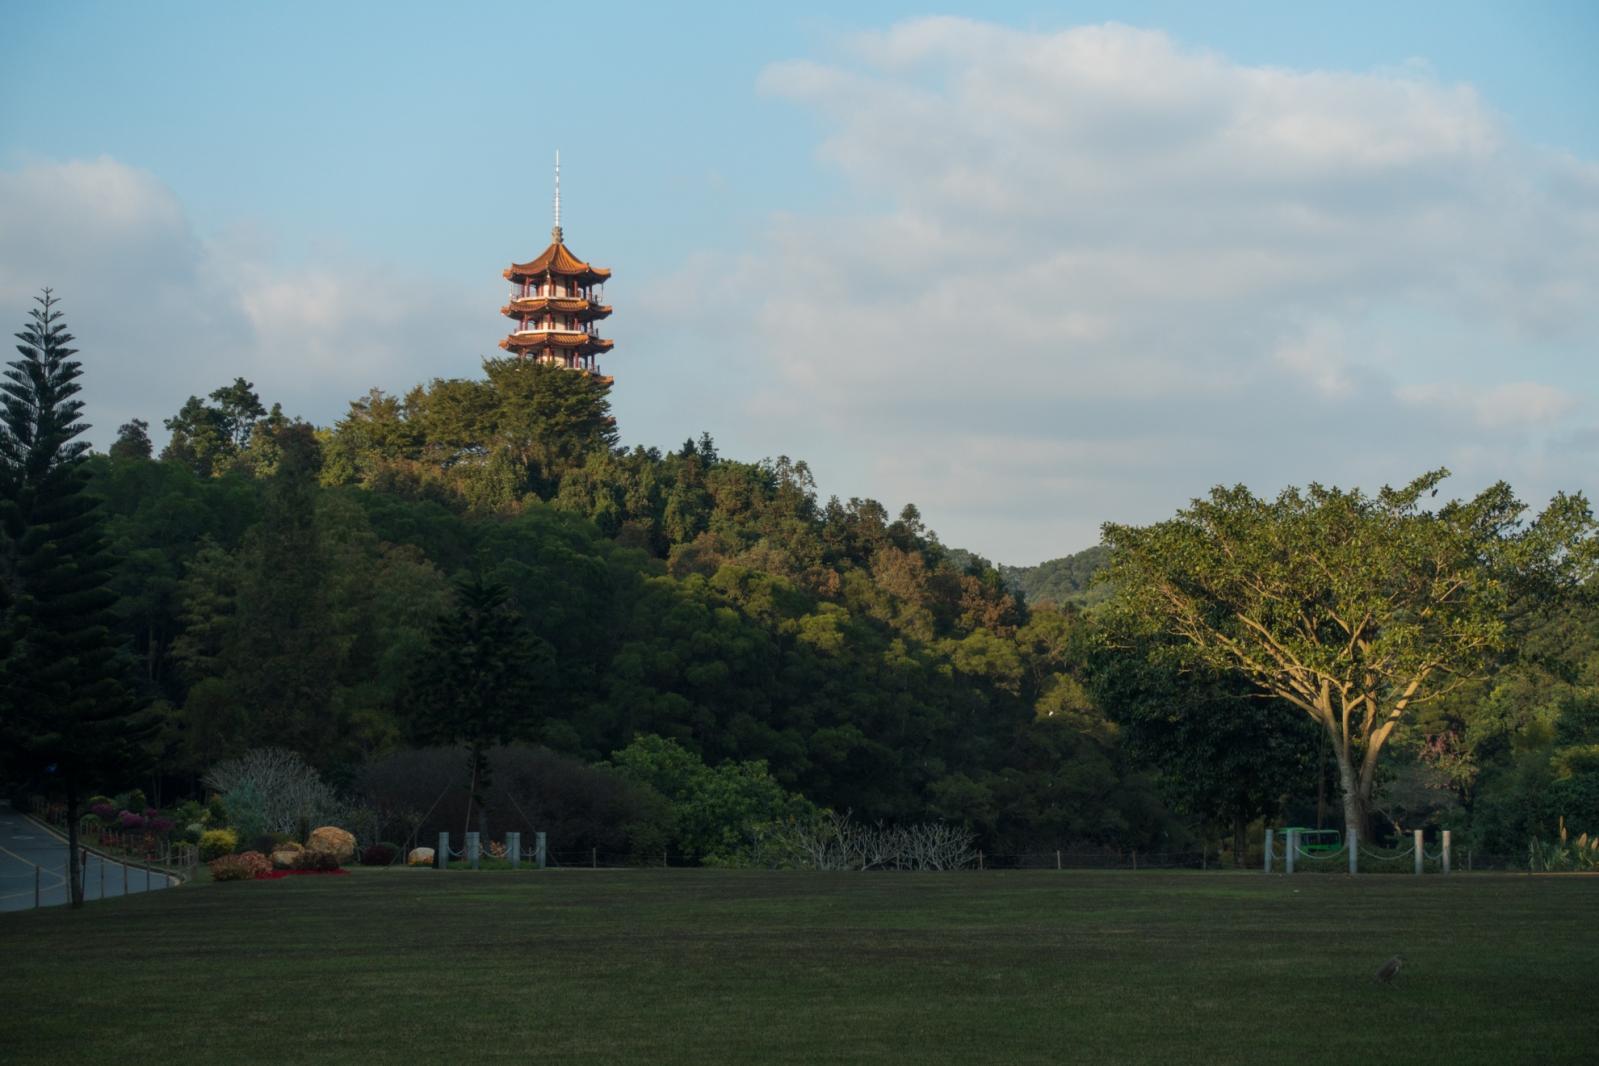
<point x="481" y="679"/>
<point x="67" y="715"/>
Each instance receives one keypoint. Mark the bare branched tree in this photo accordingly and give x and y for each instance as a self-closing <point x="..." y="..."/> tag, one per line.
<point x="835" y="841"/>
<point x="292" y="792"/>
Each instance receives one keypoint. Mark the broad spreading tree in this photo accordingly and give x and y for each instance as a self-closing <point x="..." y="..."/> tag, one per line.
<point x="68" y="717"/>
<point x="1354" y="609"/>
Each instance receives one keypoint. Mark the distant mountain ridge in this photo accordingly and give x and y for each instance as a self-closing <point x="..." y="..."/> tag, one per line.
<point x="1067" y="580"/>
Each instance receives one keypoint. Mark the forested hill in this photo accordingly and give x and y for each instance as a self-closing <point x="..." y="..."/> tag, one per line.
<point x="282" y="584"/>
<point x="1063" y="581"/>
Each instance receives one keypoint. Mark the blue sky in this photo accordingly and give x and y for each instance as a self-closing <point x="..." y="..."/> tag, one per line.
<point x="251" y="174"/>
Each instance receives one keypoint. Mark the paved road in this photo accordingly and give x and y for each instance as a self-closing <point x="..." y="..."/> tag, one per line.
<point x="24" y="845"/>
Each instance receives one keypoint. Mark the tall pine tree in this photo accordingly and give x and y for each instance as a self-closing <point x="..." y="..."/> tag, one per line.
<point x="480" y="681"/>
<point x="68" y="718"/>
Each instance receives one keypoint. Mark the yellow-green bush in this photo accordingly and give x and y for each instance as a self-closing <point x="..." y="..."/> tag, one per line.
<point x="215" y="843"/>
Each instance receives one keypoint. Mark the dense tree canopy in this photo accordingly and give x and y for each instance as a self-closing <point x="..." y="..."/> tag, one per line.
<point x="287" y="586"/>
<point x="1356" y="610"/>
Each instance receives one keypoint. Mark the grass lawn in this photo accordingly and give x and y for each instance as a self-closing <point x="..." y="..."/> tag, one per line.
<point x="752" y="967"/>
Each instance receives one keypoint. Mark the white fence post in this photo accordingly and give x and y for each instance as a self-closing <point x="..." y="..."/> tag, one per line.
<point x="1446" y="852"/>
<point x="1417" y="838"/>
<point x="473" y="850"/>
<point x="513" y="849"/>
<point x="1268" y="850"/>
<point x="1293" y="846"/>
<point x="1354" y="852"/>
<point x="442" y="859"/>
<point x="538" y="850"/>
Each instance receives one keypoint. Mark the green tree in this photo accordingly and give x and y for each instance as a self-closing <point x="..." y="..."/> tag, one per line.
<point x="1354" y="609"/>
<point x="479" y="681"/>
<point x="209" y="437"/>
<point x="68" y="713"/>
<point x="716" y="812"/>
<point x="283" y="651"/>
<point x="1226" y="753"/>
<point x="133" y="441"/>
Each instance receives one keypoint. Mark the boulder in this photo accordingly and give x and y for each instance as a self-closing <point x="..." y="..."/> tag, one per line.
<point x="332" y="839"/>
<point x="286" y="856"/>
<point x="420" y="857"/>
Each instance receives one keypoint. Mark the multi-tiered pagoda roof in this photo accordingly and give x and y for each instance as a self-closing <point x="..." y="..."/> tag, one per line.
<point x="556" y="303"/>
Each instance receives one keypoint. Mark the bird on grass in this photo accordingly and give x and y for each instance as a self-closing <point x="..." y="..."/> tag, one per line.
<point x="1386" y="974"/>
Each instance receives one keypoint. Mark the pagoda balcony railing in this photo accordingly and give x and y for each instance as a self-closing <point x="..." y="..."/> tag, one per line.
<point x="592" y="297"/>
<point x="555" y="329"/>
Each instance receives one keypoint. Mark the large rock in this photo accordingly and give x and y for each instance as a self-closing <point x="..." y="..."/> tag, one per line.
<point x="332" y="839"/>
<point x="286" y="856"/>
<point x="420" y="857"/>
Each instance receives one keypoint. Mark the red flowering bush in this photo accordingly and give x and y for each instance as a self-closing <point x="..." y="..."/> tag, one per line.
<point x="241" y="867"/>
<point x="257" y="862"/>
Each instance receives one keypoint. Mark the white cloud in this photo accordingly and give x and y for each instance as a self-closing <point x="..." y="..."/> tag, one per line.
<point x="160" y="312"/>
<point x="1093" y="272"/>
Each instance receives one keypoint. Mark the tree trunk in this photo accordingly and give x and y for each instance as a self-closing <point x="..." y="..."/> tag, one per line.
<point x="74" y="871"/>
<point x="1354" y="807"/>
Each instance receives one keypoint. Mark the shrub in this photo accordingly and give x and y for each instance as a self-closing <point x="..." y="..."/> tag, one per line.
<point x="231" y="868"/>
<point x="216" y="814"/>
<point x="246" y="810"/>
<point x="318" y="860"/>
<point x="191" y="833"/>
<point x="380" y="854"/>
<point x="159" y="825"/>
<point x="215" y="843"/>
<point x="257" y="862"/>
<point x="188" y="811"/>
<point x="103" y="811"/>
<point x="129" y="820"/>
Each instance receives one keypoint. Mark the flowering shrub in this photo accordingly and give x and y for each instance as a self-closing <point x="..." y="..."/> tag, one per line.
<point x="214" y="843"/>
<point x="257" y="862"/>
<point x="129" y="820"/>
<point x="159" y="826"/>
<point x="379" y="854"/>
<point x="495" y="849"/>
<point x="317" y="859"/>
<point x="103" y="811"/>
<point x="231" y="868"/>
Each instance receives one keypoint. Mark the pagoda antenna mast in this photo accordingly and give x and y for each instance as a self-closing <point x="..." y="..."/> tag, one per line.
<point x="556" y="232"/>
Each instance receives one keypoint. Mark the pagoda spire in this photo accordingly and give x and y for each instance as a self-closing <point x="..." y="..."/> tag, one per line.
<point x="555" y="233"/>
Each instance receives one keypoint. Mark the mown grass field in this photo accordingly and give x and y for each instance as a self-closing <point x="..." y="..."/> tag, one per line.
<point x="752" y="967"/>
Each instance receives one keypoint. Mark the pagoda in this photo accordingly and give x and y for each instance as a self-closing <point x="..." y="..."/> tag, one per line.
<point x="556" y="304"/>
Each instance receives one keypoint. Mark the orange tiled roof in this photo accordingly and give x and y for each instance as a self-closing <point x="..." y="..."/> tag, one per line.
<point x="538" y="339"/>
<point x="556" y="259"/>
<point x="587" y="309"/>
